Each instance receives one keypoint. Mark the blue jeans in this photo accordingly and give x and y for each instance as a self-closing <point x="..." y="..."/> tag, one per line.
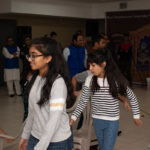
<point x="106" y="132"/>
<point x="63" y="145"/>
<point x="25" y="102"/>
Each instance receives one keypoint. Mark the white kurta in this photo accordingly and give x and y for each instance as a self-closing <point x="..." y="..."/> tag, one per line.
<point x="11" y="74"/>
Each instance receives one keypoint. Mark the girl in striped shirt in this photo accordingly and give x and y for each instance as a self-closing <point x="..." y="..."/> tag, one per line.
<point x="103" y="88"/>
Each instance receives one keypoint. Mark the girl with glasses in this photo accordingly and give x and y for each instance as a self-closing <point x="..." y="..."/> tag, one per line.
<point x="47" y="126"/>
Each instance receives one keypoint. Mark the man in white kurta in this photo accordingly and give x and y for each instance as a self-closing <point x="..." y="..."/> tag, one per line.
<point x="11" y="67"/>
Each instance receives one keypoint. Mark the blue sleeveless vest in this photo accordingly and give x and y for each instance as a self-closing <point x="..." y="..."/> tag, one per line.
<point x="13" y="62"/>
<point x="76" y="60"/>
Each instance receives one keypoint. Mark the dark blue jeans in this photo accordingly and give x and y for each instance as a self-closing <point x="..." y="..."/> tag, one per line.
<point x="25" y="102"/>
<point x="63" y="145"/>
<point x="106" y="132"/>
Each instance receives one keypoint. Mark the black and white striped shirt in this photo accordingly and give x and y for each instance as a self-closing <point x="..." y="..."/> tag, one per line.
<point x="104" y="105"/>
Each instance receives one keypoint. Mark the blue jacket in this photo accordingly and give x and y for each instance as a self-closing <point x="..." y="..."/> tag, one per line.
<point x="13" y="62"/>
<point x="76" y="60"/>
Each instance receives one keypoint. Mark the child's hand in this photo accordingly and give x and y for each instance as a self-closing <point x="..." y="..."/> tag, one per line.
<point x="138" y="122"/>
<point x="71" y="122"/>
<point x="124" y="100"/>
<point x="76" y="93"/>
<point x="9" y="140"/>
<point x="6" y="139"/>
<point x="23" y="144"/>
<point x="15" y="55"/>
<point x="127" y="106"/>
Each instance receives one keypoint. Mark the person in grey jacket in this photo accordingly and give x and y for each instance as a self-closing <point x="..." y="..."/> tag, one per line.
<point x="47" y="126"/>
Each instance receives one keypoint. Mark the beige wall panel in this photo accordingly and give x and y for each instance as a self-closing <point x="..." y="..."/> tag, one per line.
<point x="41" y="25"/>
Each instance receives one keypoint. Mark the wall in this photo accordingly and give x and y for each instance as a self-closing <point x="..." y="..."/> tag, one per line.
<point x="5" y="6"/>
<point x="64" y="8"/>
<point x="101" y="26"/>
<point x="99" y="9"/>
<point x="52" y="8"/>
<point x="41" y="25"/>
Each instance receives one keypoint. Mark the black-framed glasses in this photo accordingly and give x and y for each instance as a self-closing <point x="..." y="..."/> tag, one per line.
<point x="32" y="57"/>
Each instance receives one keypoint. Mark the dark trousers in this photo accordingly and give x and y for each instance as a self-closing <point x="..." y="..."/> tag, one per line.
<point x="63" y="145"/>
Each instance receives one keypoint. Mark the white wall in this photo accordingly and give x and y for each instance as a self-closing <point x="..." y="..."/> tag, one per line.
<point x="52" y="9"/>
<point x="5" y="6"/>
<point x="99" y="10"/>
<point x="68" y="9"/>
<point x="41" y="25"/>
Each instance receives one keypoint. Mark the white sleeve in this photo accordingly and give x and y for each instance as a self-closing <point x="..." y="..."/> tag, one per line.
<point x="28" y="126"/>
<point x="57" y="103"/>
<point x="85" y="97"/>
<point x="6" y="53"/>
<point x="66" y="53"/>
<point x="134" y="103"/>
<point x="18" y="51"/>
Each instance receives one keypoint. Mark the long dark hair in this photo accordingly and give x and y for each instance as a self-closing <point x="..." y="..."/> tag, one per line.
<point x="57" y="66"/>
<point x="26" y="70"/>
<point x="117" y="83"/>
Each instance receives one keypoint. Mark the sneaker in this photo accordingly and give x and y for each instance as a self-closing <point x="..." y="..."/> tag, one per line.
<point x="11" y="95"/>
<point x="119" y="133"/>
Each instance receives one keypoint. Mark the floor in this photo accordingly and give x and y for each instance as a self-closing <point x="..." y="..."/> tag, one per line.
<point x="132" y="137"/>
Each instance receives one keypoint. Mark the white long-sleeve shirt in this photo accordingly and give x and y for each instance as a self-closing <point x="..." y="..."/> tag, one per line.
<point x="50" y="123"/>
<point x="11" y="74"/>
<point x="9" y="55"/>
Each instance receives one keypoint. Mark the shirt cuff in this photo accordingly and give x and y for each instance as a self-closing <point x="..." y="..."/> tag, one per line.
<point x="25" y="136"/>
<point x="136" y="116"/>
<point x="73" y="117"/>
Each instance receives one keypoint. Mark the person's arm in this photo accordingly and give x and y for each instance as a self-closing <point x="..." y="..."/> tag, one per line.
<point x="79" y="78"/>
<point x="135" y="106"/>
<point x="56" y="105"/>
<point x="18" y="52"/>
<point x="66" y="53"/>
<point x="28" y="126"/>
<point x="124" y="100"/>
<point x="6" y="138"/>
<point x="7" y="54"/>
<point x="85" y="96"/>
<point x="22" y="52"/>
<point x="85" y="60"/>
<point x="26" y="132"/>
<point x="74" y="83"/>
